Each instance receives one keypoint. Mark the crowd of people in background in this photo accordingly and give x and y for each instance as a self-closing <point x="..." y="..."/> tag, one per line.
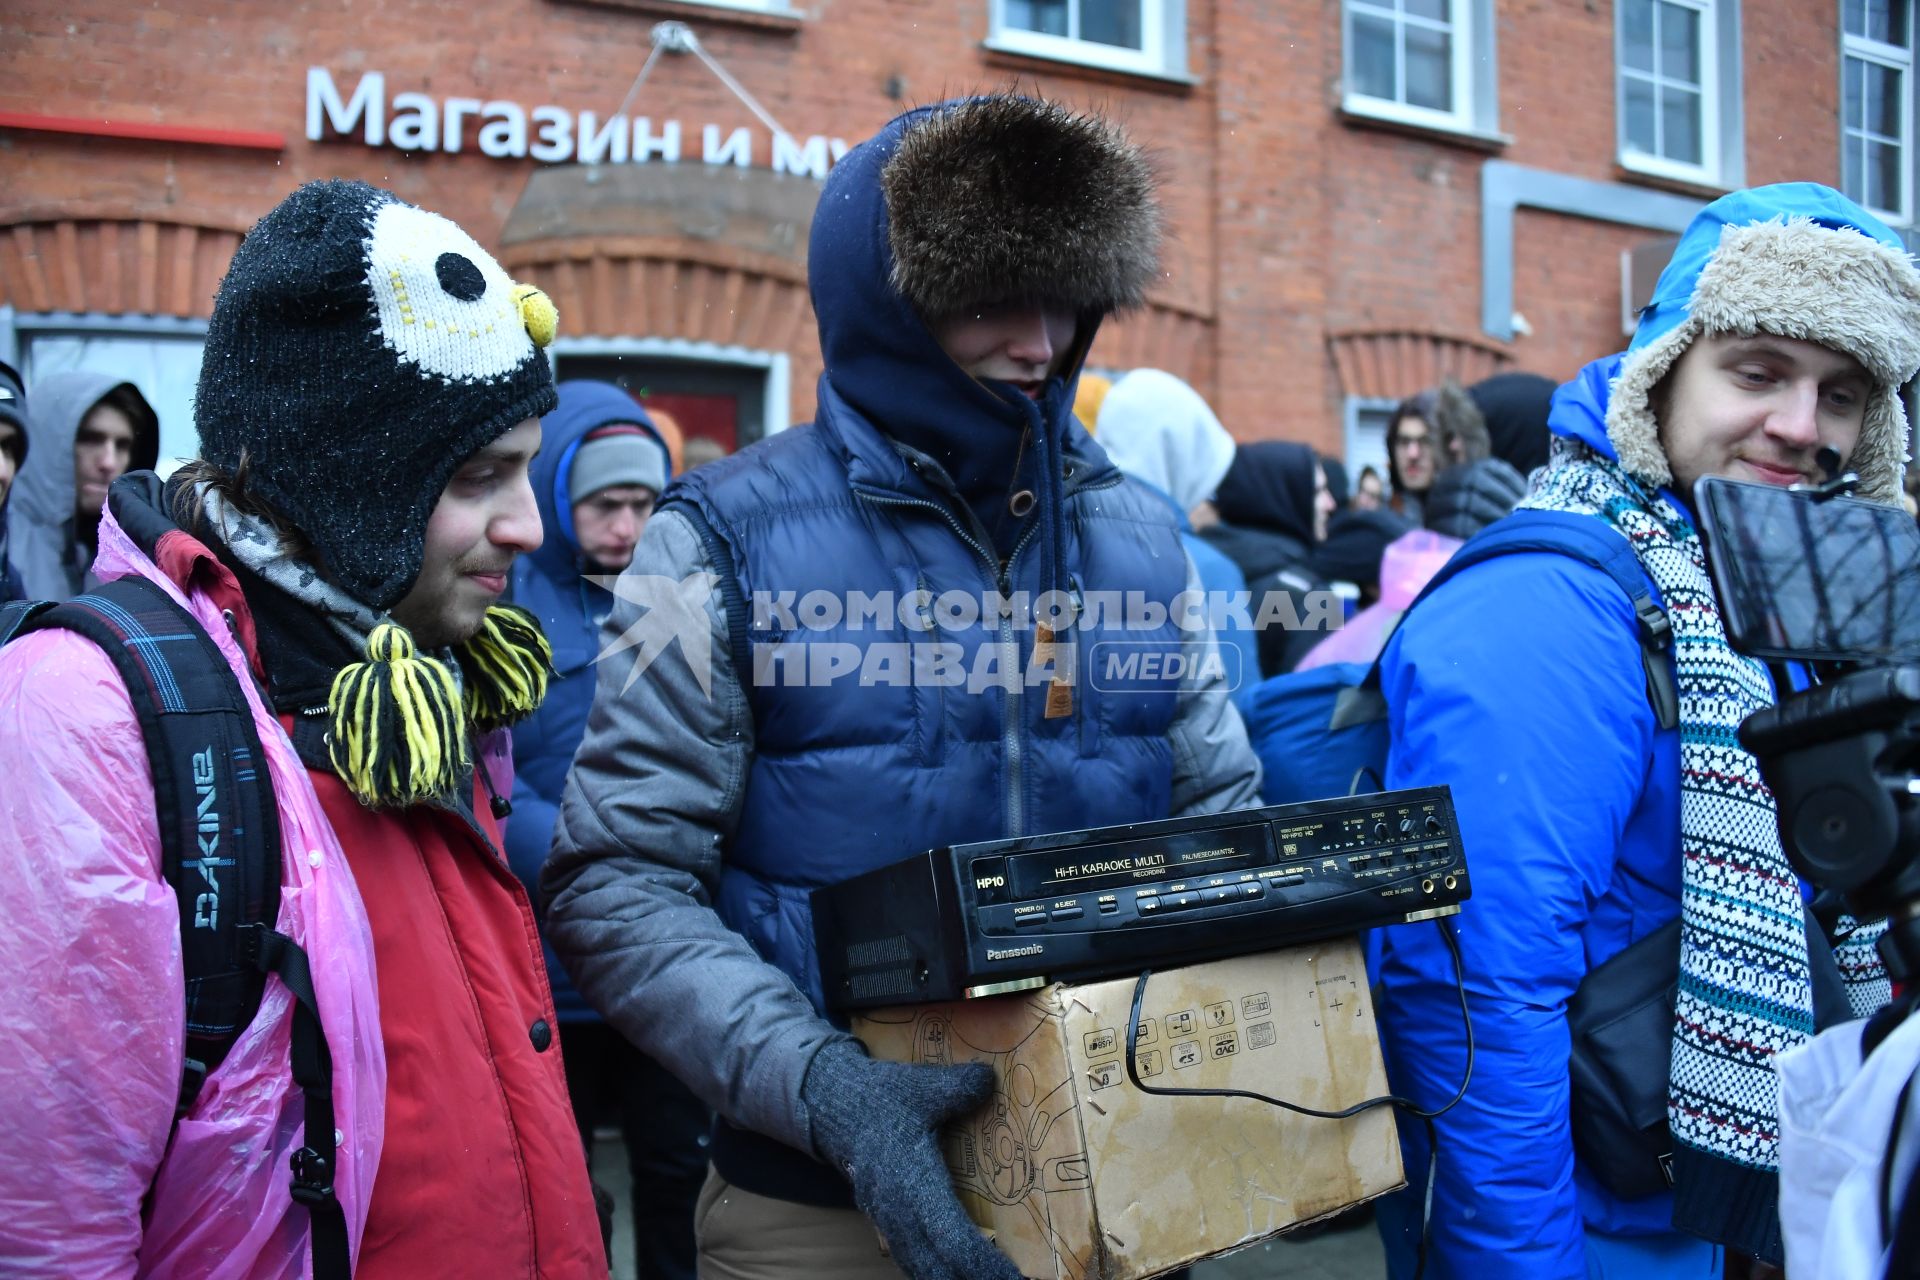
<point x="396" y="568"/>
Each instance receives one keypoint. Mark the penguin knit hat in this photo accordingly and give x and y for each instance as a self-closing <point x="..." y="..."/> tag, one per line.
<point x="360" y="350"/>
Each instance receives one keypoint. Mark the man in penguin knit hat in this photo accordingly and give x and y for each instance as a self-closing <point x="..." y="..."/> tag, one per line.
<point x="368" y="406"/>
<point x="1786" y="322"/>
<point x="960" y="264"/>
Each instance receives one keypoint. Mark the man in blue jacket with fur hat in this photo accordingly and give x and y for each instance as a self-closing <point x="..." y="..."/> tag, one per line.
<point x="601" y="467"/>
<point x="1787" y="321"/>
<point x="960" y="264"/>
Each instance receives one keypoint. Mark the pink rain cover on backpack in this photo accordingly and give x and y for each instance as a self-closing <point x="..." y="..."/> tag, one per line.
<point x="91" y="1013"/>
<point x="1409" y="563"/>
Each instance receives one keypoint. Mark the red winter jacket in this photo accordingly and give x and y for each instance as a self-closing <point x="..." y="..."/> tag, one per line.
<point x="482" y="1173"/>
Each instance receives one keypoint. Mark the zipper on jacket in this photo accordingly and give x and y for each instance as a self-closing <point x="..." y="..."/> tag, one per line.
<point x="999" y="579"/>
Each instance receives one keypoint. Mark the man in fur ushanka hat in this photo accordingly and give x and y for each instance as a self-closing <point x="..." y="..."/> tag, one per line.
<point x="1787" y="321"/>
<point x="960" y="264"/>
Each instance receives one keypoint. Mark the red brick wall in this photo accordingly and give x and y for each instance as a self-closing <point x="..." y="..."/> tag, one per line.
<point x="1288" y="222"/>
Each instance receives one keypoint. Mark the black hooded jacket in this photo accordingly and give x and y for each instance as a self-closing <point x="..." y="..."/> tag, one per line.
<point x="1515" y="406"/>
<point x="1266" y="527"/>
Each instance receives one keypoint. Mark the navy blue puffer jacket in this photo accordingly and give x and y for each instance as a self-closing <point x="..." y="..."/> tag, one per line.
<point x="860" y="772"/>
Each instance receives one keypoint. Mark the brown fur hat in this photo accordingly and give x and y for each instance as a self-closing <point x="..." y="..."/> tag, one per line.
<point x="1000" y="197"/>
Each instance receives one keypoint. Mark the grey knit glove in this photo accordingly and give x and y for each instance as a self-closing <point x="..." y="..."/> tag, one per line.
<point x="878" y="1123"/>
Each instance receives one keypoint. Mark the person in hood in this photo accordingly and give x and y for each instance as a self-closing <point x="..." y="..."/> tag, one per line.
<point x="1159" y="431"/>
<point x="13" y="452"/>
<point x="960" y="264"/>
<point x="1787" y="321"/>
<point x="343" y="543"/>
<point x="1430" y="432"/>
<point x="1369" y="491"/>
<point x="1337" y="483"/>
<point x="92" y="428"/>
<point x="1274" y="506"/>
<point x="1515" y="407"/>
<point x="602" y="465"/>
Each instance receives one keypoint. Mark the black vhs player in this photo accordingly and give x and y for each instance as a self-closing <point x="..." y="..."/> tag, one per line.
<point x="1003" y="915"/>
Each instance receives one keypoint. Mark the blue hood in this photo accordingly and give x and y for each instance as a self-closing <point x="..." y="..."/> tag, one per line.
<point x="1579" y="409"/>
<point x="584" y="406"/>
<point x="881" y="359"/>
<point x="1673" y="293"/>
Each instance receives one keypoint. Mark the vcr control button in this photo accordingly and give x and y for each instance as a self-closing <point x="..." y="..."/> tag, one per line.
<point x="1066" y="913"/>
<point x="1217" y="895"/>
<point x="1180" y="901"/>
<point x="1252" y="889"/>
<point x="1284" y="881"/>
<point x="1147" y="905"/>
<point x="1032" y="917"/>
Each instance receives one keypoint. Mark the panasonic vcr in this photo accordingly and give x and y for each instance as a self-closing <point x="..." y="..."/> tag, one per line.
<point x="1004" y="915"/>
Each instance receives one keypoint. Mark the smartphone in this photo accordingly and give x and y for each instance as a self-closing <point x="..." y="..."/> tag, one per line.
<point x="1801" y="577"/>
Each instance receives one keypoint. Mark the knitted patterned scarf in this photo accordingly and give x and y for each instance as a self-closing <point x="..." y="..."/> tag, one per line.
<point x="1745" y="987"/>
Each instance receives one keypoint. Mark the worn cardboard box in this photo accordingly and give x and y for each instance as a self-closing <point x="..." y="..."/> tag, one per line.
<point x="1080" y="1176"/>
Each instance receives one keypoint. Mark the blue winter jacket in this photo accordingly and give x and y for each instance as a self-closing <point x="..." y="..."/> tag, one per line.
<point x="551" y="584"/>
<point x="1520" y="685"/>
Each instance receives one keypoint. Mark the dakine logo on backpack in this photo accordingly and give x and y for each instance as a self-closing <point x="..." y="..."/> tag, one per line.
<point x="206" y="907"/>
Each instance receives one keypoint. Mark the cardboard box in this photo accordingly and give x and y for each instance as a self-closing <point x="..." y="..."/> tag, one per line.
<point x="1080" y="1176"/>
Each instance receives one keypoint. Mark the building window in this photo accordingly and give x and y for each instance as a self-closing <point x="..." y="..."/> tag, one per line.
<point x="164" y="363"/>
<point x="1679" y="109"/>
<point x="1368" y="420"/>
<point x="1876" y="139"/>
<point x="1415" y="61"/>
<point x="1144" y="36"/>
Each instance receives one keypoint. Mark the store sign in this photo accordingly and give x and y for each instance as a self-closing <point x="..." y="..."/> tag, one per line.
<point x="555" y="135"/>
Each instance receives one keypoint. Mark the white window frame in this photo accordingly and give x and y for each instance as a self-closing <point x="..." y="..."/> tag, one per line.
<point x="19" y="330"/>
<point x="1470" y="24"/>
<point x="1903" y="61"/>
<point x="1163" y="39"/>
<point x="1722" y="125"/>
<point x="1366" y="445"/>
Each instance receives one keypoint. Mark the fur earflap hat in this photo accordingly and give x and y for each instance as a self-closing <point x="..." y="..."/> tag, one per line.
<point x="1797" y="260"/>
<point x="360" y="350"/>
<point x="1002" y="198"/>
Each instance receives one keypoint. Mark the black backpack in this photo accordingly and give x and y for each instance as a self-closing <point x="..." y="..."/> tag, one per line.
<point x="220" y="851"/>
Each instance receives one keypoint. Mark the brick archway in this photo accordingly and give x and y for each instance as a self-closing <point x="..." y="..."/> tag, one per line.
<point x="1391" y="364"/>
<point x="114" y="266"/>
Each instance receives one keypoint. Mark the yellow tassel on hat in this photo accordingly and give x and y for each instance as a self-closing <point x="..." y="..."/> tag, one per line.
<point x="506" y="664"/>
<point x="537" y="312"/>
<point x="397" y="738"/>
